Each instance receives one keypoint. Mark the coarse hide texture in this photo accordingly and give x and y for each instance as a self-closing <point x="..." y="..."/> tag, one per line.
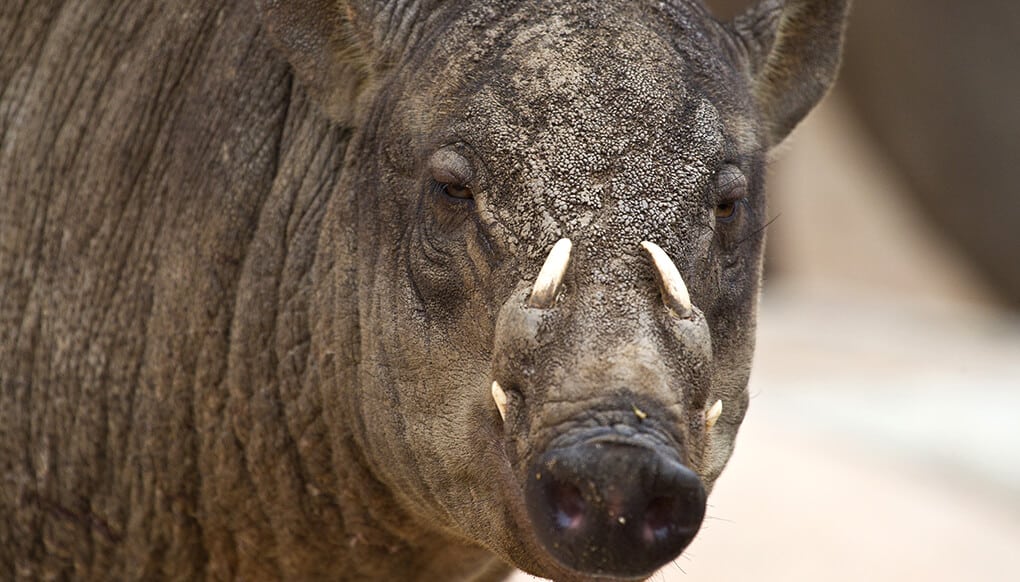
<point x="260" y="263"/>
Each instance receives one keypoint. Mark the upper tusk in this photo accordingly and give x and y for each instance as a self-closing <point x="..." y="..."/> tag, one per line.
<point x="500" y="397"/>
<point x="543" y="294"/>
<point x="713" y="415"/>
<point x="671" y="284"/>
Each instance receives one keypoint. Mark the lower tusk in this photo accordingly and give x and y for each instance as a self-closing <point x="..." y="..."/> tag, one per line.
<point x="671" y="284"/>
<point x="543" y="294"/>
<point x="713" y="415"/>
<point x="500" y="397"/>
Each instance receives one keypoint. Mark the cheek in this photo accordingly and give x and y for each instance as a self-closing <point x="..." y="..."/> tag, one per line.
<point x="450" y="274"/>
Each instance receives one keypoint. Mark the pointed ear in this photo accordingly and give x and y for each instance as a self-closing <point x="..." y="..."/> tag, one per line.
<point x="793" y="49"/>
<point x="329" y="44"/>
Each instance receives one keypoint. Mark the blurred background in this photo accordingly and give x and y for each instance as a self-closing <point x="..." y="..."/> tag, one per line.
<point x="883" y="439"/>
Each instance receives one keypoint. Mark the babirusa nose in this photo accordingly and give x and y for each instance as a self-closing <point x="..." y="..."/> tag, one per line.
<point x="547" y="284"/>
<point x="671" y="284"/>
<point x="613" y="509"/>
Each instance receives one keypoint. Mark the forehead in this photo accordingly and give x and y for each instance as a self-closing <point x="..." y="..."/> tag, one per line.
<point x="561" y="86"/>
<point x="592" y="119"/>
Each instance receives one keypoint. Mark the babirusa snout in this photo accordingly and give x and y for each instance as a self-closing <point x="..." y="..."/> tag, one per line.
<point x="671" y="284"/>
<point x="543" y="294"/>
<point x="619" y="500"/>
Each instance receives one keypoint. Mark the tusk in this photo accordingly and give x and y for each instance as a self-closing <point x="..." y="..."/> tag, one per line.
<point x="543" y="294"/>
<point x="713" y="415"/>
<point x="671" y="284"/>
<point x="500" y="397"/>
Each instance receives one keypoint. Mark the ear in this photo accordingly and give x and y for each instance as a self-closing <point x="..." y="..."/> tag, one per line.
<point x="793" y="49"/>
<point x="330" y="45"/>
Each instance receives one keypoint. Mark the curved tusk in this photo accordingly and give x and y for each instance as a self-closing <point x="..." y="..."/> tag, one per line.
<point x="543" y="294"/>
<point x="500" y="397"/>
<point x="671" y="284"/>
<point x="713" y="415"/>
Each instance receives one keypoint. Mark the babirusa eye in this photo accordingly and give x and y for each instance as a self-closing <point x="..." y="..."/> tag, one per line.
<point x="726" y="211"/>
<point x="731" y="190"/>
<point x="457" y="191"/>
<point x="451" y="172"/>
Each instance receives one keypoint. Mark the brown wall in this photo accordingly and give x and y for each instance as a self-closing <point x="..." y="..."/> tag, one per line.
<point x="937" y="82"/>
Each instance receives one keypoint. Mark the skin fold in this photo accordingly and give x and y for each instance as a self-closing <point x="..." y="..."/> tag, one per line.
<point x="261" y="263"/>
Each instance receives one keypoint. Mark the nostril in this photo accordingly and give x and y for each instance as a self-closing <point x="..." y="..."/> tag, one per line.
<point x="658" y="518"/>
<point x="613" y="510"/>
<point x="569" y="506"/>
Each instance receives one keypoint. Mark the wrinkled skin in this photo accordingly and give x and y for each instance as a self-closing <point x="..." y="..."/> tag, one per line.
<point x="246" y="333"/>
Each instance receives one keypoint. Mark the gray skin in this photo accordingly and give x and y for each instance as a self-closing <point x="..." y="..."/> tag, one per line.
<point x="243" y="333"/>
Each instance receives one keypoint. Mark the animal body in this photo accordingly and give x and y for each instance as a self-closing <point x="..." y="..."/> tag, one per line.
<point x="395" y="290"/>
